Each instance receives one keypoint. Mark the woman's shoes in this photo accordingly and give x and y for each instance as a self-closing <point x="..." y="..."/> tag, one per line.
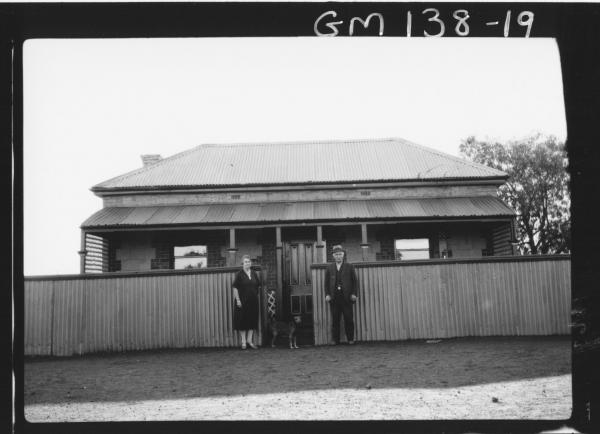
<point x="254" y="347"/>
<point x="243" y="346"/>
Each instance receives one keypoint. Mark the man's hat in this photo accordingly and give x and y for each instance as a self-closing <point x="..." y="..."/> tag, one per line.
<point x="337" y="248"/>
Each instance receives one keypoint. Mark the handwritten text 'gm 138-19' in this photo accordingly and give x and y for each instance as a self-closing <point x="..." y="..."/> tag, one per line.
<point x="433" y="24"/>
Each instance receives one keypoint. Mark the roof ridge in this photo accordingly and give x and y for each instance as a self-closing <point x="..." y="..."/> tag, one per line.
<point x="296" y="142"/>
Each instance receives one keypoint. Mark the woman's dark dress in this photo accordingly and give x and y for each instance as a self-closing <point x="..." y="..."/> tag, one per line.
<point x="246" y="317"/>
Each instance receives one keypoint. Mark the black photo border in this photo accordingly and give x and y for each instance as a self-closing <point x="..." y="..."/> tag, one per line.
<point x="576" y="28"/>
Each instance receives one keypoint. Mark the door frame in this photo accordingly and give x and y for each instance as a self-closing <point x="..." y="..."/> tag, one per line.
<point x="286" y="296"/>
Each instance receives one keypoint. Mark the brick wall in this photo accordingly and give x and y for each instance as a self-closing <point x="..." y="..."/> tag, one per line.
<point x="268" y="259"/>
<point x="213" y="240"/>
<point x="333" y="235"/>
<point x="386" y="249"/>
<point x="113" y="263"/>
<point x="462" y="239"/>
<point x="246" y="242"/>
<point x="148" y="250"/>
<point x="114" y="244"/>
<point x="466" y="240"/>
<point x="163" y="258"/>
<point x="136" y="254"/>
<point x="352" y="236"/>
<point x="155" y="250"/>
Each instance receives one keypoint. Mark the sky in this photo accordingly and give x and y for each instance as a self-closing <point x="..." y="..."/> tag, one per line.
<point x="93" y="106"/>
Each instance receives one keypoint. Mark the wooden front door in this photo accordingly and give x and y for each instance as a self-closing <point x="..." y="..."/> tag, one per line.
<point x="297" y="296"/>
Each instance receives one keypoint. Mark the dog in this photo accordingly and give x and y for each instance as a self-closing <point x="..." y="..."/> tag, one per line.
<point x="285" y="328"/>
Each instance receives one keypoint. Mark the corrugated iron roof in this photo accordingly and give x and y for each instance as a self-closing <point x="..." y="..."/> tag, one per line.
<point x="300" y="163"/>
<point x="486" y="206"/>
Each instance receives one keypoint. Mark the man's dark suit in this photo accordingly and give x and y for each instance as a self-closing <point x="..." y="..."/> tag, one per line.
<point x="341" y="302"/>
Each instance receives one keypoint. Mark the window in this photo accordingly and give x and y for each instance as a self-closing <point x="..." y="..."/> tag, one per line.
<point x="189" y="257"/>
<point x="407" y="249"/>
<point x="301" y="303"/>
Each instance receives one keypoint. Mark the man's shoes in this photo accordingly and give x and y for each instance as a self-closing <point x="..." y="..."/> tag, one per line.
<point x="350" y="342"/>
<point x="243" y="346"/>
<point x="334" y="343"/>
<point x="254" y="347"/>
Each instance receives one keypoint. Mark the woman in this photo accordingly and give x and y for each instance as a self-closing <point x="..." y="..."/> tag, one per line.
<point x="245" y="293"/>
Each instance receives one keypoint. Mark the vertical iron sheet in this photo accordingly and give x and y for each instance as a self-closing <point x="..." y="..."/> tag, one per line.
<point x="80" y="316"/>
<point x="465" y="298"/>
<point x="398" y="301"/>
<point x="39" y="303"/>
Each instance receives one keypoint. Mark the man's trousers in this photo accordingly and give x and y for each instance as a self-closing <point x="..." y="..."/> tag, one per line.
<point x="339" y="308"/>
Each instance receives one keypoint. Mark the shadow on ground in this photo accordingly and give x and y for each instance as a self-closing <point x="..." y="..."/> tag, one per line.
<point x="178" y="374"/>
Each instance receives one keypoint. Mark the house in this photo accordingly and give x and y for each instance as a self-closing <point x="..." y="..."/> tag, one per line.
<point x="287" y="204"/>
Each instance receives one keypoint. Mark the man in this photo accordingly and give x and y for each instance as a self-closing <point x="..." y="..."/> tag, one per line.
<point x="341" y="286"/>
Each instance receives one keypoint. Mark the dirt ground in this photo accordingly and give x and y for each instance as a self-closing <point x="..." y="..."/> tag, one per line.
<point x="467" y="378"/>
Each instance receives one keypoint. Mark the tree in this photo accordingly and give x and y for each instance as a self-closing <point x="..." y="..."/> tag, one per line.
<point x="537" y="188"/>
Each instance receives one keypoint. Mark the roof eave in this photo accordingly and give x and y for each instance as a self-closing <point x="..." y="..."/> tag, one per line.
<point x="97" y="189"/>
<point x="302" y="222"/>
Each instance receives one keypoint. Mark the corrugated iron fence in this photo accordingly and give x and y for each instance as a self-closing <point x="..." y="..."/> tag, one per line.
<point x="525" y="295"/>
<point x="66" y="315"/>
<point x="517" y="295"/>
